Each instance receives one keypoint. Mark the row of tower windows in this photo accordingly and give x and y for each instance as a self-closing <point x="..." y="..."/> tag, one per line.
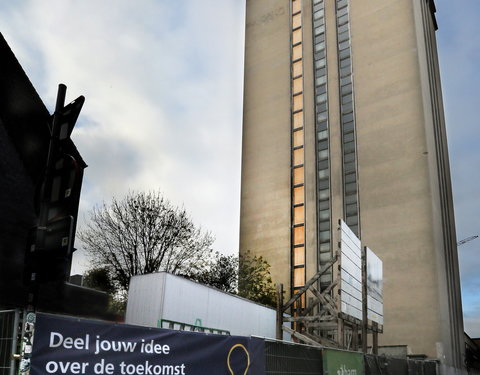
<point x="350" y="188"/>
<point x="298" y="154"/>
<point x="322" y="141"/>
<point x="347" y="127"/>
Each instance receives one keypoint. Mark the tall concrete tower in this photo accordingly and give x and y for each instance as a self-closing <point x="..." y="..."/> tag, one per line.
<point x="343" y="119"/>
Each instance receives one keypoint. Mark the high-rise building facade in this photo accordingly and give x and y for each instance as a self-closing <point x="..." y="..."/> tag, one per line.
<point x="343" y="119"/>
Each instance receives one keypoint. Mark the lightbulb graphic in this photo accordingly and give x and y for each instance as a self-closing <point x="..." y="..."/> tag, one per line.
<point x="229" y="364"/>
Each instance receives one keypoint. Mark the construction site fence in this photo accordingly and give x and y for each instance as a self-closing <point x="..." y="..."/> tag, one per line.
<point x="281" y="358"/>
<point x="9" y="321"/>
<point x="287" y="359"/>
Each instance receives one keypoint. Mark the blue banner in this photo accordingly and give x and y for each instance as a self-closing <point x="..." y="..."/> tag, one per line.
<point x="86" y="347"/>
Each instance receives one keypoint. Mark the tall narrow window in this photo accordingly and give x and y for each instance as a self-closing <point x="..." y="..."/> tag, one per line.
<point x="297" y="152"/>
<point x="347" y="118"/>
<point x="324" y="248"/>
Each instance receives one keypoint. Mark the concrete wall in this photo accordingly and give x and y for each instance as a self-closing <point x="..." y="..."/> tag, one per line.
<point x="406" y="209"/>
<point x="265" y="193"/>
<point x="395" y="196"/>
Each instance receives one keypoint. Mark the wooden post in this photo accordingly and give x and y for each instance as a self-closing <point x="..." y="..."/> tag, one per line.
<point x="310" y="282"/>
<point x="310" y="303"/>
<point x="364" y="300"/>
<point x="355" y="337"/>
<point x="299" y="336"/>
<point x="341" y="333"/>
<point x="279" y="332"/>
<point x="375" y="338"/>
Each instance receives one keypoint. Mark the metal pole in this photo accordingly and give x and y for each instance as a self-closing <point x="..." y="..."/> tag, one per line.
<point x="355" y="337"/>
<point x="62" y="90"/>
<point x="43" y="216"/>
<point x="45" y="191"/>
<point x="16" y="321"/>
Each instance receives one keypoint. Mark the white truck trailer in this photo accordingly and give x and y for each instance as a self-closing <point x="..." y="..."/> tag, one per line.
<point x="158" y="299"/>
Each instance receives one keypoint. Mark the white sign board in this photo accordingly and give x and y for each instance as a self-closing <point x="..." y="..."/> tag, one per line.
<point x="374" y="287"/>
<point x="350" y="272"/>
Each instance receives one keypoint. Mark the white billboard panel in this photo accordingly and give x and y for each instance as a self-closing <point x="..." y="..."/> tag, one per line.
<point x="352" y="300"/>
<point x="350" y="272"/>
<point x="374" y="287"/>
<point x="352" y="268"/>
<point x="352" y="311"/>
<point x="374" y="317"/>
<point x="374" y="305"/>
<point x="349" y="281"/>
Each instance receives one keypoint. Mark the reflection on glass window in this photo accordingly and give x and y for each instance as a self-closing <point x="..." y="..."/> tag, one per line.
<point x="297" y="148"/>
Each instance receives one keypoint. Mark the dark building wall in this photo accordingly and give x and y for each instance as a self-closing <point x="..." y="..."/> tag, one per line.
<point x="24" y="144"/>
<point x="23" y="114"/>
<point x="24" y="139"/>
<point x="17" y="216"/>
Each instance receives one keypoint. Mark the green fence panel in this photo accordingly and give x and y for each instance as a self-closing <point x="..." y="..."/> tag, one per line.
<point x="337" y="362"/>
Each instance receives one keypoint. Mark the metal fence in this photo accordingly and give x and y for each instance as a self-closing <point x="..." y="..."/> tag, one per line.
<point x="285" y="359"/>
<point x="394" y="366"/>
<point x="9" y="321"/>
<point x="281" y="358"/>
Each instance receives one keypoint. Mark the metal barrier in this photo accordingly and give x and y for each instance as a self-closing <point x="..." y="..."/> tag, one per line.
<point x="380" y="365"/>
<point x="282" y="359"/>
<point x="9" y="321"/>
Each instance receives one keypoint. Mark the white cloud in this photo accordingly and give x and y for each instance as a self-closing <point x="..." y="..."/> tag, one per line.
<point x="163" y="88"/>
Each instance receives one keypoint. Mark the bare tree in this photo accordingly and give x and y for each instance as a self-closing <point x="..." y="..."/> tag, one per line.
<point x="144" y="233"/>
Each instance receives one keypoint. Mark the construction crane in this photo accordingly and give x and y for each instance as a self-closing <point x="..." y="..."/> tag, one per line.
<point x="465" y="240"/>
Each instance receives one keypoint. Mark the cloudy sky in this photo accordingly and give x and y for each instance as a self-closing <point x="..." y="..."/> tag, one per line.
<point x="163" y="87"/>
<point x="459" y="52"/>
